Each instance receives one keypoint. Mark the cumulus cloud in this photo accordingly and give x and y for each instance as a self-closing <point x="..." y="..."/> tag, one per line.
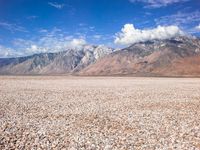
<point x="158" y="3"/>
<point x="130" y="35"/>
<point x="56" y="5"/>
<point x="198" y="27"/>
<point x="77" y="43"/>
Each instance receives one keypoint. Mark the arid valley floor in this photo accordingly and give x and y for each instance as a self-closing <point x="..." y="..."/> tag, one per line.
<point x="52" y="112"/>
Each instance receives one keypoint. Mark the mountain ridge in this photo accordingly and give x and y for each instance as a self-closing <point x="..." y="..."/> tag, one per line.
<point x="179" y="56"/>
<point x="151" y="58"/>
<point x="64" y="62"/>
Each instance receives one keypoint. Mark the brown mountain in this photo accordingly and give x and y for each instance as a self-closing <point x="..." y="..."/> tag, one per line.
<point x="178" y="56"/>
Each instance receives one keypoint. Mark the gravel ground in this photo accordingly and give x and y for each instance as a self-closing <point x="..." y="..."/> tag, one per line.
<point x="99" y="113"/>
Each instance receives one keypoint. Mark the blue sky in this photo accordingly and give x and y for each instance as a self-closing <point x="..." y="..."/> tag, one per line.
<point x="32" y="26"/>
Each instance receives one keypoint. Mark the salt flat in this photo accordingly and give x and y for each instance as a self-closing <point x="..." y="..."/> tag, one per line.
<point x="58" y="112"/>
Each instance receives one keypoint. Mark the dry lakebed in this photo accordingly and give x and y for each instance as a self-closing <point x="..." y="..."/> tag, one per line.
<point x="63" y="112"/>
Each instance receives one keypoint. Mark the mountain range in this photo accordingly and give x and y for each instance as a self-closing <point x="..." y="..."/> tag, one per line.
<point x="179" y="56"/>
<point x="70" y="61"/>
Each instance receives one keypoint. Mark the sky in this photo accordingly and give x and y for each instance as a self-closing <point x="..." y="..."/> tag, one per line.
<point x="33" y="26"/>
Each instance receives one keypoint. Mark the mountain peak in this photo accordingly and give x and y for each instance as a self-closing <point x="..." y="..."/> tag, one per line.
<point x="68" y="61"/>
<point x="156" y="57"/>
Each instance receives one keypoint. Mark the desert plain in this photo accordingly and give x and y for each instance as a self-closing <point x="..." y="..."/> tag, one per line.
<point x="62" y="112"/>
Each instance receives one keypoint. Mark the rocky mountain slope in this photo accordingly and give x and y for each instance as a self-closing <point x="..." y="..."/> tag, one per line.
<point x="178" y="56"/>
<point x="66" y="62"/>
<point x="173" y="57"/>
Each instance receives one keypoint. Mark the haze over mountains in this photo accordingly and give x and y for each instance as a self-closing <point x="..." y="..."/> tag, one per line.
<point x="168" y="57"/>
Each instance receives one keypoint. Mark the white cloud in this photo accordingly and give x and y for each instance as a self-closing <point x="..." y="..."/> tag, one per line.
<point x="12" y="27"/>
<point x="34" y="47"/>
<point x="49" y="41"/>
<point x="53" y="44"/>
<point x="8" y="52"/>
<point x="43" y="31"/>
<point x="43" y="45"/>
<point x="97" y="36"/>
<point x="77" y="43"/>
<point x="5" y="52"/>
<point x="158" y="3"/>
<point x="198" y="27"/>
<point x="56" y="5"/>
<point x="91" y="28"/>
<point x="130" y="35"/>
<point x="180" y="18"/>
